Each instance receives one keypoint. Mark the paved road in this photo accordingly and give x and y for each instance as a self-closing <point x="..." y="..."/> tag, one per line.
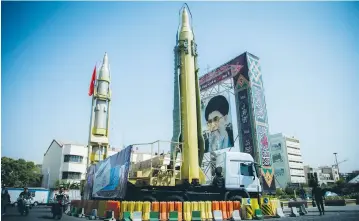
<point x="43" y="213"/>
<point x="36" y="214"/>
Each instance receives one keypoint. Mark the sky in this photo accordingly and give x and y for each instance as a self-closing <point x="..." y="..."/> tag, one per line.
<point x="309" y="58"/>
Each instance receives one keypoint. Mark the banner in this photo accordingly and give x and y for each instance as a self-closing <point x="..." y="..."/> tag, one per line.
<point x="279" y="159"/>
<point x="218" y="75"/>
<point x="245" y="123"/>
<point x="110" y="178"/>
<point x="260" y="122"/>
<point x="217" y="122"/>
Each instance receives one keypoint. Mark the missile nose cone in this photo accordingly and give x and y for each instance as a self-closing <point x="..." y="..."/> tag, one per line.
<point x="185" y="20"/>
<point x="105" y="60"/>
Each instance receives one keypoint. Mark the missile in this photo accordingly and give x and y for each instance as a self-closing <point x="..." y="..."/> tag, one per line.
<point x="100" y="115"/>
<point x="187" y="126"/>
<point x="102" y="95"/>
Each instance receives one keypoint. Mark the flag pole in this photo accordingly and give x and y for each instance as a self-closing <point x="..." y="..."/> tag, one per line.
<point x="90" y="126"/>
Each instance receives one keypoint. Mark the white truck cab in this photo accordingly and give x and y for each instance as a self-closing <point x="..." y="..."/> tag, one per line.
<point x="239" y="171"/>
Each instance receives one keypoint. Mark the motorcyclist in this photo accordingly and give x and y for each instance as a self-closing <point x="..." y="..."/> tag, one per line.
<point x="60" y="196"/>
<point x="24" y="195"/>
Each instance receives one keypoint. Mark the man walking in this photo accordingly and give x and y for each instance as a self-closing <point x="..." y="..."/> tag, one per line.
<point x="5" y="200"/>
<point x="317" y="194"/>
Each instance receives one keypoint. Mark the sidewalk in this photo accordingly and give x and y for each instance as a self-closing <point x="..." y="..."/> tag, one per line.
<point x="329" y="209"/>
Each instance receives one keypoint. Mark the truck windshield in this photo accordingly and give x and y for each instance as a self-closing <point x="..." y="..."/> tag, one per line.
<point x="246" y="169"/>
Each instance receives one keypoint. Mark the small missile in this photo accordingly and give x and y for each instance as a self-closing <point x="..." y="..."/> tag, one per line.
<point x="189" y="105"/>
<point x="102" y="95"/>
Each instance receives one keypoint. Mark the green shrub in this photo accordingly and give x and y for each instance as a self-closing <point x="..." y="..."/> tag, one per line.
<point x="334" y="198"/>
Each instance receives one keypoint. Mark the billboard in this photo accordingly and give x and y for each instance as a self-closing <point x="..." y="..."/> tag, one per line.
<point x="109" y="179"/>
<point x="217" y="122"/>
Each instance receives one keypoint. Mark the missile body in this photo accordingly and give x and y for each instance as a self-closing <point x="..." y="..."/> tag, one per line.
<point x="103" y="91"/>
<point x="99" y="127"/>
<point x="189" y="104"/>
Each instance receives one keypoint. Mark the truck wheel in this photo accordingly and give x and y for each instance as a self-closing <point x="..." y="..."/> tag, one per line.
<point x="235" y="198"/>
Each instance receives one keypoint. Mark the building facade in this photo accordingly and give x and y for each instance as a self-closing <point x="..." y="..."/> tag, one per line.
<point x="287" y="160"/>
<point x="65" y="162"/>
<point x="326" y="175"/>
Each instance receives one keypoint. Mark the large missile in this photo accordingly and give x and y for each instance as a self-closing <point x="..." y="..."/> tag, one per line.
<point x="187" y="100"/>
<point x="100" y="115"/>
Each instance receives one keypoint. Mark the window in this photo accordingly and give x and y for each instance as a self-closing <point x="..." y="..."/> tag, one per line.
<point x="71" y="175"/>
<point x="247" y="169"/>
<point x="73" y="158"/>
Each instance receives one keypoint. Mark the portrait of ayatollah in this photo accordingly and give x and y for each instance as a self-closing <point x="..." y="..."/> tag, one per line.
<point x="219" y="126"/>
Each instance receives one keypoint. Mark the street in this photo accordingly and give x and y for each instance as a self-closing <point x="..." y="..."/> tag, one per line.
<point x="36" y="214"/>
<point x="350" y="213"/>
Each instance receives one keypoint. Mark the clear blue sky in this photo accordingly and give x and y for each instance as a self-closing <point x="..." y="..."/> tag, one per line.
<point x="309" y="54"/>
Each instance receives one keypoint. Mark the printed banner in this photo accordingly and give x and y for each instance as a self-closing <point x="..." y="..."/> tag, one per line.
<point x="102" y="176"/>
<point x="217" y="122"/>
<point x="110" y="179"/>
<point x="260" y="123"/>
<point x="89" y="182"/>
<point x="222" y="73"/>
<point x="245" y="123"/>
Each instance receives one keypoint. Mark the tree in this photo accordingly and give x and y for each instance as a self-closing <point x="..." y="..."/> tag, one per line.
<point x="67" y="185"/>
<point x="19" y="173"/>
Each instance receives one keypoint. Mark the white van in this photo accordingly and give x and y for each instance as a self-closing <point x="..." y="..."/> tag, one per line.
<point x="39" y="195"/>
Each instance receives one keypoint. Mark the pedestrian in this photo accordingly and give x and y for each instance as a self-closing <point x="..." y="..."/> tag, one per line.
<point x="5" y="200"/>
<point x="317" y="194"/>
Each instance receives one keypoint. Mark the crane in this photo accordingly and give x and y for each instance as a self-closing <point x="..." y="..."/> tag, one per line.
<point x="339" y="163"/>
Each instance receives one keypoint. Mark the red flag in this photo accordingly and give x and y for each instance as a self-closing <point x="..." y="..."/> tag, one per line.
<point x="92" y="84"/>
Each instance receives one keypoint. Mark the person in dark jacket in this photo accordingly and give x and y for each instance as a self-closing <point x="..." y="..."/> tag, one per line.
<point x="25" y="193"/>
<point x="5" y="199"/>
<point x="317" y="194"/>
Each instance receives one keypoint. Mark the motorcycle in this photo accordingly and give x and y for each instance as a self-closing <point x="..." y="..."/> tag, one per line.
<point x="24" y="205"/>
<point x="59" y="206"/>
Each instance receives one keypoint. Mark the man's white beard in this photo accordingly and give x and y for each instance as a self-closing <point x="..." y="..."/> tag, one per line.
<point x="216" y="140"/>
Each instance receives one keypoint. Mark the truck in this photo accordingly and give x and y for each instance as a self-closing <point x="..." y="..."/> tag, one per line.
<point x="156" y="176"/>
